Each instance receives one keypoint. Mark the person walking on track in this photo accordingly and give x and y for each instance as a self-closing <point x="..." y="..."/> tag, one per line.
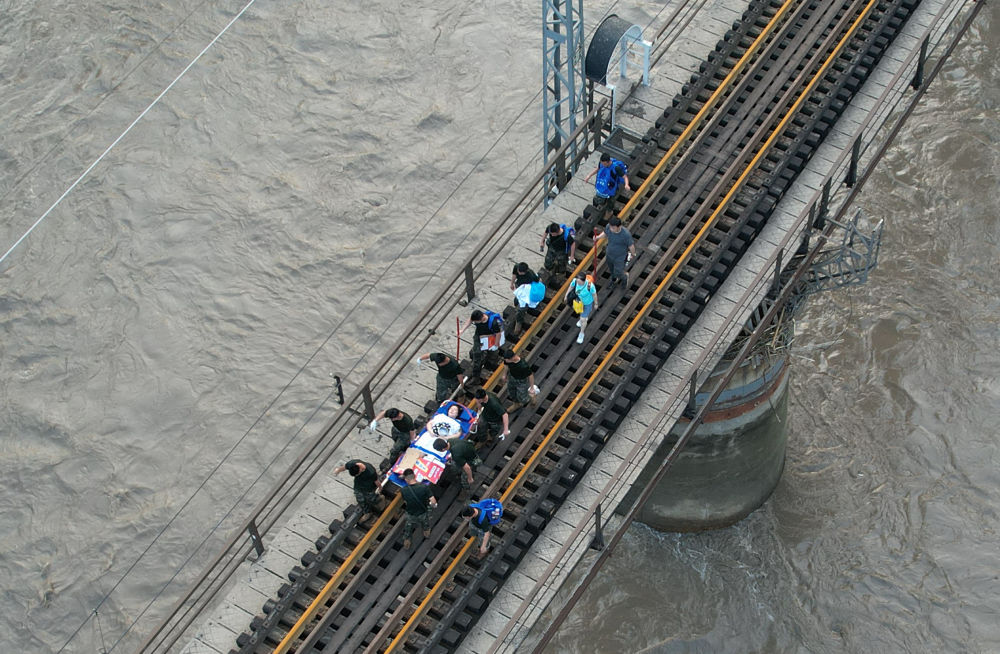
<point x="419" y="499"/>
<point x="365" y="487"/>
<point x="489" y="328"/>
<point x="584" y="291"/>
<point x="561" y="241"/>
<point x="403" y="430"/>
<point x="612" y="177"/>
<point x="620" y="250"/>
<point x="449" y="374"/>
<point x="520" y="380"/>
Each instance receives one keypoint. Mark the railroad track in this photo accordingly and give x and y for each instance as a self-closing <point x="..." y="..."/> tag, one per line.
<point x="712" y="169"/>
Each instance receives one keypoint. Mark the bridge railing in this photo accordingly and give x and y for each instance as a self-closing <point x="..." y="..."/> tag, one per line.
<point x="358" y="408"/>
<point x="840" y="188"/>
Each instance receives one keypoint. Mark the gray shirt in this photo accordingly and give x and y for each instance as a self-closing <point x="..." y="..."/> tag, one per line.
<point x="618" y="244"/>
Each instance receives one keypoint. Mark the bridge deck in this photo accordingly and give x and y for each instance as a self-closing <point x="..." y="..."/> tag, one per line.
<point x="669" y="384"/>
<point x="259" y="580"/>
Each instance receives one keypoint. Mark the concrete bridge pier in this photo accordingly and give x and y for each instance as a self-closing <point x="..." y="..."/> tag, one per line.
<point x="734" y="460"/>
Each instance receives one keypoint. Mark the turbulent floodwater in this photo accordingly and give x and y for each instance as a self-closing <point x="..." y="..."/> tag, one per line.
<point x="883" y="533"/>
<point x="262" y="227"/>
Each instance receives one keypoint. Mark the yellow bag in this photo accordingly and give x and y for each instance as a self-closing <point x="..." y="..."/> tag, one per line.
<point x="578" y="306"/>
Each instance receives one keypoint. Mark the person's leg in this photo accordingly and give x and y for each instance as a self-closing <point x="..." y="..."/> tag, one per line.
<point x="425" y="523"/>
<point x="587" y="308"/>
<point x="408" y="526"/>
<point x="442" y="390"/>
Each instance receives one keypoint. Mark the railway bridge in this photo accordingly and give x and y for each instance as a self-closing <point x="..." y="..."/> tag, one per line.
<point x="760" y="127"/>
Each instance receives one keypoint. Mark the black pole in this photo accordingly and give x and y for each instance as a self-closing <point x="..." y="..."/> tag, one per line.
<point x="598" y="542"/>
<point x="340" y="389"/>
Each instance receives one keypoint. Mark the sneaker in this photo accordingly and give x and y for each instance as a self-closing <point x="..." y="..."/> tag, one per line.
<point x="514" y="407"/>
<point x="625" y="281"/>
<point x="365" y="518"/>
<point x="577" y="324"/>
<point x="406" y="544"/>
<point x="579" y="339"/>
<point x="427" y="533"/>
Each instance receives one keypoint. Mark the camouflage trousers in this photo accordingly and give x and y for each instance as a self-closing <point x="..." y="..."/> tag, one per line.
<point x="414" y="520"/>
<point x="367" y="500"/>
<point x="445" y="387"/>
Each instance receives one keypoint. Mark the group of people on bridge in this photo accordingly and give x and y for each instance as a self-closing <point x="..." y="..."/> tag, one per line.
<point x="489" y="349"/>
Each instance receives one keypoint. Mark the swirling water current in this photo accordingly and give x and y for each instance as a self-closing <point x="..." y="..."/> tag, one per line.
<point x="283" y="210"/>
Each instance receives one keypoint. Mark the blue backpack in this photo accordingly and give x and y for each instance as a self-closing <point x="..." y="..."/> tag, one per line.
<point x="493" y="319"/>
<point x="568" y="233"/>
<point x="489" y="509"/>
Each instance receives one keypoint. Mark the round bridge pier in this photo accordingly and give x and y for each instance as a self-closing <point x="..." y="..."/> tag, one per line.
<point x="734" y="460"/>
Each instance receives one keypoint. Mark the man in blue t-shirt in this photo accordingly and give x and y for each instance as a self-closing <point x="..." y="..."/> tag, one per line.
<point x="612" y="176"/>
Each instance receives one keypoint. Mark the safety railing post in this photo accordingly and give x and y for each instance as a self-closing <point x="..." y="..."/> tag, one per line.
<point x="918" y="76"/>
<point x="258" y="544"/>
<point x="366" y="395"/>
<point x="470" y="283"/>
<point x="598" y="541"/>
<point x="852" y="169"/>
<point x="824" y="205"/>
<point x="692" y="394"/>
<point x="776" y="282"/>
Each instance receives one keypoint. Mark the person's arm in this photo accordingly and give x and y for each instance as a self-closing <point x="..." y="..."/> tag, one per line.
<point x="374" y="423"/>
<point x="627" y="187"/>
<point x="421" y="358"/>
<point x="503" y="377"/>
<point x="598" y="236"/>
<point x="572" y="250"/>
<point x="541" y="245"/>
<point x="465" y="326"/>
<point x="468" y="472"/>
<point x="506" y="425"/>
<point x="593" y="292"/>
<point x="486" y="543"/>
<point x="413" y="434"/>
<point x="531" y="380"/>
<point x="433" y="501"/>
<point x="572" y="286"/>
<point x="592" y="173"/>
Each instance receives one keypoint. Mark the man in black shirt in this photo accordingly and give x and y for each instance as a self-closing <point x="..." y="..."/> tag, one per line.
<point x="520" y="380"/>
<point x="449" y="374"/>
<point x="365" y="487"/>
<point x="493" y="418"/>
<point x="403" y="431"/>
<point x="561" y="242"/>
<point x="519" y="276"/>
<point x="418" y="498"/>
<point x="479" y="527"/>
<point x="463" y="461"/>
<point x="487" y="323"/>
